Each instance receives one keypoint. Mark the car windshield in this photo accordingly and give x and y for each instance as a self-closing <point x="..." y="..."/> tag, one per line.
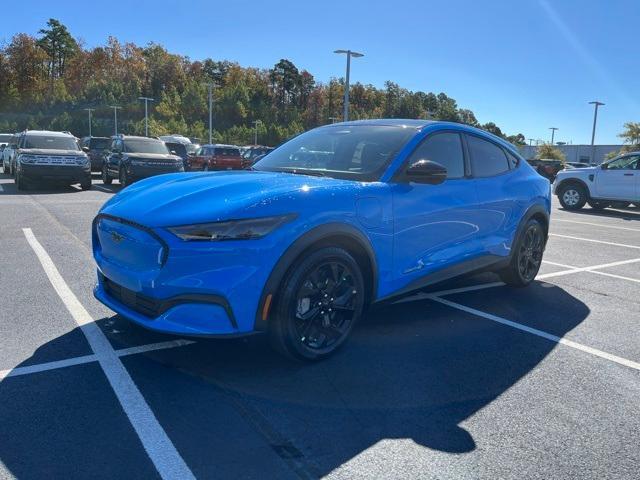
<point x="179" y="148"/>
<point x="99" y="143"/>
<point x="145" y="146"/>
<point x="50" y="142"/>
<point x="191" y="147"/>
<point x="358" y="152"/>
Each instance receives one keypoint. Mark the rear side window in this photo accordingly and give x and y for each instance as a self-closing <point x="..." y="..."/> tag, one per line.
<point x="445" y="149"/>
<point x="513" y="160"/>
<point x="98" y="143"/>
<point x="227" y="152"/>
<point x="487" y="159"/>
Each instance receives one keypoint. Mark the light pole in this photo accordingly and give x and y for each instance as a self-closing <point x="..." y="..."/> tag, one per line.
<point x="530" y="141"/>
<point x="146" y="114"/>
<point x="553" y="133"/>
<point x="255" y="133"/>
<point x="596" y="104"/>
<point x="115" y="118"/>
<point x="345" y="116"/>
<point x="210" y="87"/>
<point x="89" y="110"/>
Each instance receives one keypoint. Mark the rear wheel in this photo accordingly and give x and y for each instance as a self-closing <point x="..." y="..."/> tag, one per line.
<point x="572" y="196"/>
<point x="527" y="256"/>
<point x="321" y="299"/>
<point x="106" y="178"/>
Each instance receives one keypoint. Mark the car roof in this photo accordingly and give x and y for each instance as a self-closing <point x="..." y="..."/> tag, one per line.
<point x="219" y="145"/>
<point x="135" y="137"/>
<point x="47" y="133"/>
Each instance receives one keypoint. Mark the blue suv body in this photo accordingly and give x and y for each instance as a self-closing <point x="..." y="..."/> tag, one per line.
<point x="335" y="219"/>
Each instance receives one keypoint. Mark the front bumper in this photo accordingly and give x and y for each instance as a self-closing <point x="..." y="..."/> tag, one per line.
<point x="162" y="283"/>
<point x="138" y="172"/>
<point x="55" y="173"/>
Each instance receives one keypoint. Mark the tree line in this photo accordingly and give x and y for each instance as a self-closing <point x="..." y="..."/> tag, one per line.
<point x="46" y="82"/>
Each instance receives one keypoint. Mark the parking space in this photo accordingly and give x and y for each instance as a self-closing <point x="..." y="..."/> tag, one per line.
<point x="468" y="379"/>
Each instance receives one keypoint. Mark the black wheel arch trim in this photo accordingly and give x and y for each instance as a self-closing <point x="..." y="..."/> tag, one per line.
<point x="301" y="244"/>
<point x="531" y="212"/>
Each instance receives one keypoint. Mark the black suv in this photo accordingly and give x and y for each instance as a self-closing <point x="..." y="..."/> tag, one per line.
<point x="132" y="158"/>
<point x="95" y="147"/>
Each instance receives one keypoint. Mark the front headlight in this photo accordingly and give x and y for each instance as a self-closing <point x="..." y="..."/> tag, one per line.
<point x="231" y="230"/>
<point x="84" y="160"/>
<point x="27" y="158"/>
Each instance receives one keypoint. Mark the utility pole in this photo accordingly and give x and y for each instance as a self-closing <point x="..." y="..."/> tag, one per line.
<point x="553" y="133"/>
<point x="255" y="132"/>
<point x="210" y="87"/>
<point x="531" y="141"/>
<point x="115" y="118"/>
<point x="146" y="114"/>
<point x="345" y="116"/>
<point x="89" y="110"/>
<point x="596" y="104"/>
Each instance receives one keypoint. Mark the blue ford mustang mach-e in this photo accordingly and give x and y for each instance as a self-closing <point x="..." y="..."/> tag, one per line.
<point x="333" y="220"/>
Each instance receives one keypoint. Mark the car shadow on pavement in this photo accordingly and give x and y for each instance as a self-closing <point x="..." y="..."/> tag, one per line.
<point x="413" y="370"/>
<point x="630" y="213"/>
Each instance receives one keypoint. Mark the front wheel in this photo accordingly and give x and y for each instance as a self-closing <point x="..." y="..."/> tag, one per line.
<point x="321" y="299"/>
<point x="526" y="257"/>
<point x="123" y="177"/>
<point x="86" y="184"/>
<point x="20" y="183"/>
<point x="106" y="178"/>
<point x="572" y="197"/>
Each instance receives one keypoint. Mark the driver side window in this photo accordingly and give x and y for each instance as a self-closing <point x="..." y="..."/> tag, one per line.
<point x="624" y="163"/>
<point x="444" y="148"/>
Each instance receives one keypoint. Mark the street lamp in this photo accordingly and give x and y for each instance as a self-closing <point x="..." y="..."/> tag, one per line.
<point x="115" y="118"/>
<point x="553" y="133"/>
<point x="210" y="87"/>
<point x="593" y="132"/>
<point x="146" y="114"/>
<point x="350" y="54"/>
<point x="255" y="133"/>
<point x="89" y="110"/>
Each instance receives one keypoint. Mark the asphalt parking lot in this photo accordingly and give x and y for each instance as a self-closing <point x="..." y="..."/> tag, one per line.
<point x="468" y="380"/>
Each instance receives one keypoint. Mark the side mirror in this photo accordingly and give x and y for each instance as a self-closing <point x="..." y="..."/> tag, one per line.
<point x="173" y="152"/>
<point x="427" y="171"/>
<point x="604" y="166"/>
<point x="191" y="154"/>
<point x="85" y="149"/>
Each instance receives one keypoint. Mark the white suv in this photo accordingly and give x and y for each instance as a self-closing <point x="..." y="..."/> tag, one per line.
<point x="616" y="182"/>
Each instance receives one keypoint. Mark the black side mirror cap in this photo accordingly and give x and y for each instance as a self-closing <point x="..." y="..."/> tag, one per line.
<point x="426" y="171"/>
<point x="85" y="149"/>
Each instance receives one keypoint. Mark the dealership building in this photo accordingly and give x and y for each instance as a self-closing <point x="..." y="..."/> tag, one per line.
<point x="576" y="153"/>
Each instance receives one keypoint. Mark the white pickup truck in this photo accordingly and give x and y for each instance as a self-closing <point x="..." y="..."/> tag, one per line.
<point x="614" y="183"/>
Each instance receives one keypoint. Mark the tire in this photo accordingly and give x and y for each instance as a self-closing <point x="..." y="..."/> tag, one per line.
<point x="123" y="177"/>
<point x="20" y="183"/>
<point x="106" y="179"/>
<point x="86" y="184"/>
<point x="320" y="300"/>
<point x="597" y="205"/>
<point x="572" y="196"/>
<point x="526" y="257"/>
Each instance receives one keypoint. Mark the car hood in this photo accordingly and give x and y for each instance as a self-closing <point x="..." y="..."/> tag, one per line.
<point x="184" y="198"/>
<point x="577" y="171"/>
<point x="48" y="151"/>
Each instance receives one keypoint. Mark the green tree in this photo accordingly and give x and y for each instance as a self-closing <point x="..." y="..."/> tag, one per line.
<point x="549" y="151"/>
<point x="59" y="46"/>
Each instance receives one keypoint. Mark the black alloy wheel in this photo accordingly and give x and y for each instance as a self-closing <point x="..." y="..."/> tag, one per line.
<point x="526" y="257"/>
<point x="322" y="299"/>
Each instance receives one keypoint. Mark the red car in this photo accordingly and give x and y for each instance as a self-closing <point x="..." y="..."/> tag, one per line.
<point x="218" y="157"/>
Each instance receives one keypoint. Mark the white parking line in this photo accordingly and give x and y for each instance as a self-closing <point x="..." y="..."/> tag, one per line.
<point x="595" y="241"/>
<point x="596" y="224"/>
<point x="161" y="451"/>
<point x="69" y="362"/>
<point x="539" y="333"/>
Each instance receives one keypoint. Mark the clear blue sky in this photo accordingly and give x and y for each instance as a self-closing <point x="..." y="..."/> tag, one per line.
<point x="525" y="64"/>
